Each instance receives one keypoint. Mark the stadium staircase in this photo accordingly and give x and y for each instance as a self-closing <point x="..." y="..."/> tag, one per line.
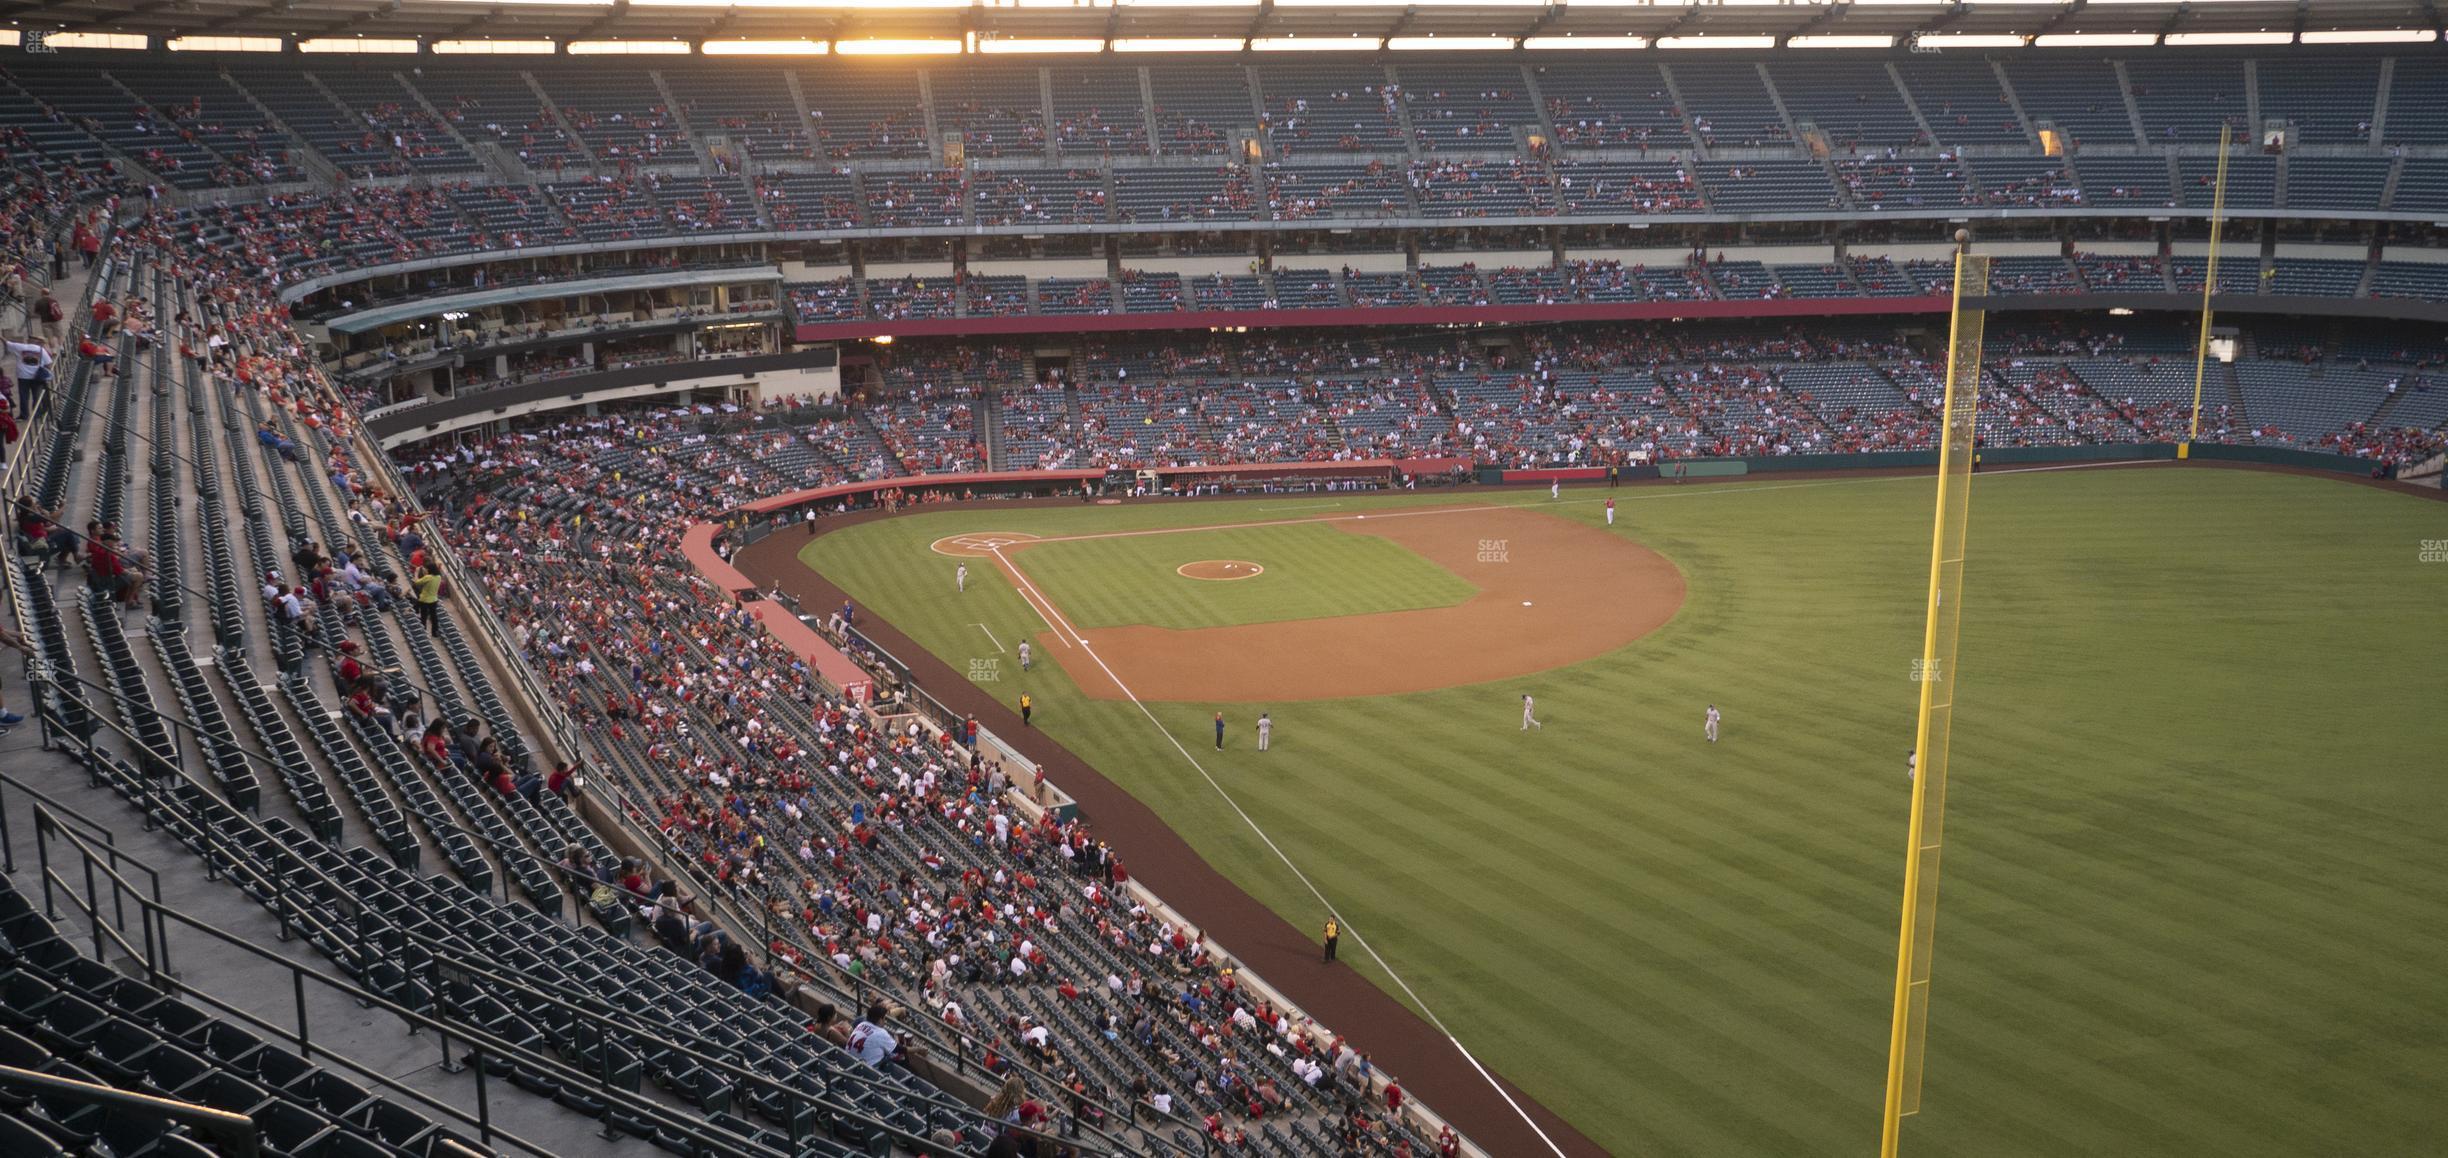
<point x="990" y="426"/>
<point x="551" y="108"/>
<point x="2240" y="416"/>
<point x="300" y="149"/>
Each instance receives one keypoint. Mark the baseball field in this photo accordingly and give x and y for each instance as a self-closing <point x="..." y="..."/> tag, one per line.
<point x="2195" y="897"/>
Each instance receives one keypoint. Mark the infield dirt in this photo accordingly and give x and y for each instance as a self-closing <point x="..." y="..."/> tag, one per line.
<point x="1551" y="592"/>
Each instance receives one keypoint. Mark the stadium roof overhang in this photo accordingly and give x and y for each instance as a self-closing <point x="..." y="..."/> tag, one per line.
<point x="1369" y="22"/>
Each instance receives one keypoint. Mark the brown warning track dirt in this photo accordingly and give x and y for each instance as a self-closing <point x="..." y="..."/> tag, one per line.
<point x="1551" y="592"/>
<point x="1430" y="1066"/>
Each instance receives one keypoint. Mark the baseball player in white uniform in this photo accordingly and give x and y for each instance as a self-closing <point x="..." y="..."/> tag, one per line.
<point x="1024" y="655"/>
<point x="960" y="577"/>
<point x="1266" y="731"/>
<point x="1555" y="488"/>
<point x="1610" y="512"/>
<point x="1529" y="715"/>
<point x="1712" y="724"/>
<point x="1912" y="764"/>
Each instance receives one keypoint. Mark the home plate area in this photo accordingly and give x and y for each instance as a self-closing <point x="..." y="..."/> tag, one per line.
<point x="978" y="543"/>
<point x="1220" y="569"/>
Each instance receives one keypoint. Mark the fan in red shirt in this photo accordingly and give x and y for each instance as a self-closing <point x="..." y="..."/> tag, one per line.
<point x="107" y="571"/>
<point x="98" y="354"/>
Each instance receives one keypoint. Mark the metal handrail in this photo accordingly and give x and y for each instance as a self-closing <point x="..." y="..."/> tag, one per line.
<point x="444" y="968"/>
<point x="19" y="467"/>
<point x="561" y="732"/>
<point x="485" y="1042"/>
<point x="312" y="924"/>
<point x="316" y="926"/>
<point x="234" y="1133"/>
<point x="12" y="478"/>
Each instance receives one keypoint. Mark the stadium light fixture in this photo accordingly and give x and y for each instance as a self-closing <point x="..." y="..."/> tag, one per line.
<point x="766" y="48"/>
<point x="1584" y="42"/>
<point x="2354" y="36"/>
<point x="1448" y="43"/>
<point x="628" y="48"/>
<point x="1716" y="42"/>
<point x="1313" y="44"/>
<point x="367" y="44"/>
<point x="1176" y="44"/>
<point x="225" y="44"/>
<point x="890" y="47"/>
<point x="2207" y="39"/>
<point x="494" y="47"/>
<point x="124" y="41"/>
<point x="10" y="38"/>
<point x="999" y="45"/>
<point x="2096" y="40"/>
<point x="1840" y="40"/>
<point x="1968" y="40"/>
<point x="836" y="4"/>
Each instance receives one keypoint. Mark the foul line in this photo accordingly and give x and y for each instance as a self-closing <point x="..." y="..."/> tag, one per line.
<point x="1031" y="596"/>
<point x="1063" y="631"/>
<point x="1345" y="924"/>
<point x="990" y="635"/>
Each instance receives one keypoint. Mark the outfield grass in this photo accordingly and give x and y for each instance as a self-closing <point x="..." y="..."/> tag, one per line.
<point x="1312" y="571"/>
<point x="2195" y="896"/>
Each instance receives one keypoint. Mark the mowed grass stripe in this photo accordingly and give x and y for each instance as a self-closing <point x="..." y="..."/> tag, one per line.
<point x="1510" y="877"/>
<point x="2192" y="874"/>
<point x="1708" y="1044"/>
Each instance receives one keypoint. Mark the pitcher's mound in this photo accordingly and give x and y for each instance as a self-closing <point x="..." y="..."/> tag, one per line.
<point x="1220" y="569"/>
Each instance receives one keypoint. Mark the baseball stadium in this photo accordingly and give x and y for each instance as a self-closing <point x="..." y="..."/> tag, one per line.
<point x="1195" y="578"/>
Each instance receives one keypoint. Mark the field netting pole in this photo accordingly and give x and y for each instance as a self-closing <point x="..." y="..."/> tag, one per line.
<point x="2201" y="348"/>
<point x="1936" y="674"/>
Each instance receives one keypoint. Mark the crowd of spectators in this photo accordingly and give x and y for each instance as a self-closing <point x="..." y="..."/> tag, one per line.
<point x="894" y="855"/>
<point x="931" y="431"/>
<point x="898" y="855"/>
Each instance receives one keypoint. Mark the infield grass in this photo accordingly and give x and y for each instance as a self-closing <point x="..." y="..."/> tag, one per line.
<point x="2195" y="898"/>
<point x="1312" y="571"/>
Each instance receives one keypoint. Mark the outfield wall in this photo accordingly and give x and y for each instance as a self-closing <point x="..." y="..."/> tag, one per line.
<point x="1705" y="468"/>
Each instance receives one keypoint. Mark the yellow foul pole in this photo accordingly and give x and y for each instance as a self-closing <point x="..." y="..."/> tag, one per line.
<point x="1936" y="676"/>
<point x="2201" y="348"/>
